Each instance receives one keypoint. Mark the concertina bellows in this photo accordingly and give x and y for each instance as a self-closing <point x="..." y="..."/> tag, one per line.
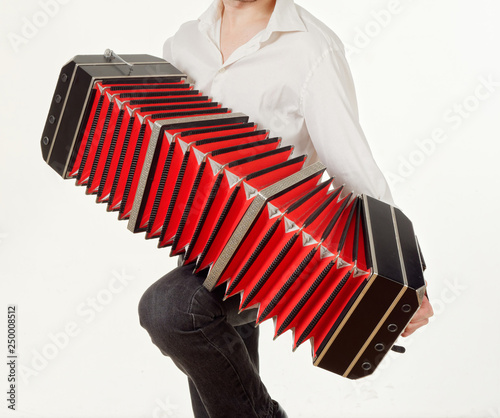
<point x="342" y="271"/>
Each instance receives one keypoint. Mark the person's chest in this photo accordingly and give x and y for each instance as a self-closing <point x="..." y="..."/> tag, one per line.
<point x="258" y="79"/>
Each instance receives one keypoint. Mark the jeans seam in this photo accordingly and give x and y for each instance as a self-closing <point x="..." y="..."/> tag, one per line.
<point x="221" y="352"/>
<point x="152" y="312"/>
<point x="232" y="367"/>
<point x="191" y="302"/>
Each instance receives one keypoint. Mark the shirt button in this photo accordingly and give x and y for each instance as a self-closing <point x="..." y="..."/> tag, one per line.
<point x="222" y="70"/>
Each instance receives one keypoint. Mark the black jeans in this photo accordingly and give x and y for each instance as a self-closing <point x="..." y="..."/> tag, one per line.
<point x="207" y="340"/>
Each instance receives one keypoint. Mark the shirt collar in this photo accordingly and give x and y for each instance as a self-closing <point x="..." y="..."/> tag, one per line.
<point x="284" y="18"/>
<point x="211" y="15"/>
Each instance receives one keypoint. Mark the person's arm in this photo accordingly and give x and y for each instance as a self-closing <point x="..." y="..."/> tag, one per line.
<point x="330" y="110"/>
<point x="328" y="103"/>
<point x="167" y="50"/>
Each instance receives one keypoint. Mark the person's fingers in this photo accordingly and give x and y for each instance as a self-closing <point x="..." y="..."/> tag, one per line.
<point x="413" y="326"/>
<point x="424" y="312"/>
<point x="420" y="318"/>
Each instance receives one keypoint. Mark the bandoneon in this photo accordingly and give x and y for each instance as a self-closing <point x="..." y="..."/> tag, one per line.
<point x="342" y="271"/>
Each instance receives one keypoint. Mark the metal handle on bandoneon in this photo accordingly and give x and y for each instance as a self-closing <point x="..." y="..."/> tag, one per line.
<point x="109" y="53"/>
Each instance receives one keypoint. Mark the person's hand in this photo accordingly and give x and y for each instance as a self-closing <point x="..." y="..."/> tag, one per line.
<point x="420" y="319"/>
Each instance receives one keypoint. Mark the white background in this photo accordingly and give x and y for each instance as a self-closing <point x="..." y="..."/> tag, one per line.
<point x="59" y="250"/>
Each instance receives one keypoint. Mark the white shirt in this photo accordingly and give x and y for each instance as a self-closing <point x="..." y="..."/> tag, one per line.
<point x="292" y="78"/>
